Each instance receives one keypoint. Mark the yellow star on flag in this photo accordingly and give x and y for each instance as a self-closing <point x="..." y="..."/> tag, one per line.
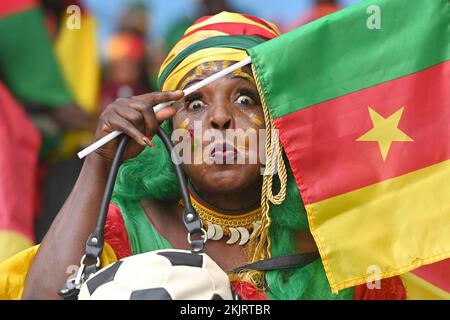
<point x="385" y="131"/>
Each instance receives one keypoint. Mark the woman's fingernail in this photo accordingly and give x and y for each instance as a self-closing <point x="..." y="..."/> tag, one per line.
<point x="148" y="142"/>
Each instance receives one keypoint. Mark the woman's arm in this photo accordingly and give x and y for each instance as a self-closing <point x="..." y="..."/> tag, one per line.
<point x="63" y="245"/>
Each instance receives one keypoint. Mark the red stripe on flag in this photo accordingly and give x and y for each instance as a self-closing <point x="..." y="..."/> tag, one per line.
<point x="235" y="28"/>
<point x="321" y="145"/>
<point x="437" y="274"/>
<point x="19" y="146"/>
<point x="11" y="7"/>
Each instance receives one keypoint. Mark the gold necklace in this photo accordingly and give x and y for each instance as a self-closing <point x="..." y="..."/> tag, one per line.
<point x="238" y="227"/>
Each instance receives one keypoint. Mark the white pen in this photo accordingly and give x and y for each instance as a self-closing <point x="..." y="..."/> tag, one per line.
<point x="160" y="106"/>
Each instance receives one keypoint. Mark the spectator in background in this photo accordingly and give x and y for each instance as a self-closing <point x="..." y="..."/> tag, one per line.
<point x="29" y="76"/>
<point x="320" y="9"/>
<point x="125" y="70"/>
<point x="206" y="8"/>
<point x="135" y="19"/>
<point x="77" y="57"/>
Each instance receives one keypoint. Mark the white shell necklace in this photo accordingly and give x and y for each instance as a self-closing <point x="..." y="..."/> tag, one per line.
<point x="240" y="228"/>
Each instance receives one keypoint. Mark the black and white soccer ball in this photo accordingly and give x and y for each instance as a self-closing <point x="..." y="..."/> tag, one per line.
<point x="159" y="275"/>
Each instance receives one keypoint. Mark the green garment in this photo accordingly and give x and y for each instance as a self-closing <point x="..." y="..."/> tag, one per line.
<point x="141" y="233"/>
<point x="144" y="238"/>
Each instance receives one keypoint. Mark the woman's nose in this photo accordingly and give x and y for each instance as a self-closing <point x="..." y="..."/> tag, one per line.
<point x="221" y="117"/>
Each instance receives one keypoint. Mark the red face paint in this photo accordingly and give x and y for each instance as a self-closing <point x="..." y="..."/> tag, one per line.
<point x="191" y="131"/>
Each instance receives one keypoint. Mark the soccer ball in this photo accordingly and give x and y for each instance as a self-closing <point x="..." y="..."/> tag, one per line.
<point x="159" y="275"/>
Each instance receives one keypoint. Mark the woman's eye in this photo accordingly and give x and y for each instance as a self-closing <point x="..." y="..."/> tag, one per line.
<point x="245" y="100"/>
<point x="195" y="105"/>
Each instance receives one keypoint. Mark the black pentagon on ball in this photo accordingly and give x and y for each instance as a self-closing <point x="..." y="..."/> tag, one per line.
<point x="104" y="277"/>
<point x="183" y="258"/>
<point x="151" y="294"/>
<point x="216" y="297"/>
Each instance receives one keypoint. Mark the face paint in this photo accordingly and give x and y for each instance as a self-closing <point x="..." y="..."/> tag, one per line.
<point x="191" y="132"/>
<point x="205" y="69"/>
<point x="197" y="74"/>
<point x="210" y="65"/>
<point x="245" y="75"/>
<point x="255" y="120"/>
<point x="226" y="64"/>
<point x="198" y="71"/>
<point x="184" y="124"/>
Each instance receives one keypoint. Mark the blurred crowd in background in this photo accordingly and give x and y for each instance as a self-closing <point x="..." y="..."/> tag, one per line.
<point x="55" y="81"/>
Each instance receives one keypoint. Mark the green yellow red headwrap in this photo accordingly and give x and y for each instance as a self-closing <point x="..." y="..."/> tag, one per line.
<point x="224" y="36"/>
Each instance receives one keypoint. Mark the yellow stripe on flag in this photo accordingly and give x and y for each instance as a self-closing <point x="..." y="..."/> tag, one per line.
<point x="12" y="242"/>
<point x="76" y="50"/>
<point x="419" y="289"/>
<point x="393" y="226"/>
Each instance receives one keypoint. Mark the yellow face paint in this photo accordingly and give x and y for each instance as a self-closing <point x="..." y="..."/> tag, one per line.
<point x="184" y="124"/>
<point x="226" y="64"/>
<point x="198" y="71"/>
<point x="210" y="65"/>
<point x="205" y="69"/>
<point x="254" y="119"/>
<point x="197" y="74"/>
<point x="245" y="75"/>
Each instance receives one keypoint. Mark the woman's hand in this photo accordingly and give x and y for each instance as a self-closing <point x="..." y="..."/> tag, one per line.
<point x="135" y="117"/>
<point x="78" y="217"/>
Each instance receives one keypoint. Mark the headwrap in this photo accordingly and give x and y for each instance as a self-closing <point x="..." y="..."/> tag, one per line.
<point x="224" y="36"/>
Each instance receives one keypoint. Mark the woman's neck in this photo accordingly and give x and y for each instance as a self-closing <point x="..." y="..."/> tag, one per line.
<point x="241" y="200"/>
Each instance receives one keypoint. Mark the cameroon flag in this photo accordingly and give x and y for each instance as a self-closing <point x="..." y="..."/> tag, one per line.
<point x="361" y="101"/>
<point x="32" y="75"/>
<point x="29" y="73"/>
<point x="77" y="53"/>
<point x="19" y="146"/>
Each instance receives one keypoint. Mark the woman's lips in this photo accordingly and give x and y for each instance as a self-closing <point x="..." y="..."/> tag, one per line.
<point x="224" y="152"/>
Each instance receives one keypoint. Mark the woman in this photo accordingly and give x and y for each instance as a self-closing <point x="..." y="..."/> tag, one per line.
<point x="145" y="213"/>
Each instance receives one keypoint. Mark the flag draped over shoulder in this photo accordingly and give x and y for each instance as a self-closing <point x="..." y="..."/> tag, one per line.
<point x="363" y="114"/>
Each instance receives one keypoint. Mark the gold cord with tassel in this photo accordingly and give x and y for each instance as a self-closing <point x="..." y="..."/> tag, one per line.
<point x="274" y="158"/>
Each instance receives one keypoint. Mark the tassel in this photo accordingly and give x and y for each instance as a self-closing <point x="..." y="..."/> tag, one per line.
<point x="259" y="248"/>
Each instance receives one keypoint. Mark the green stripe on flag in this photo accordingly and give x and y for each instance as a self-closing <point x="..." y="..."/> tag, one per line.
<point x="28" y="65"/>
<point x="339" y="54"/>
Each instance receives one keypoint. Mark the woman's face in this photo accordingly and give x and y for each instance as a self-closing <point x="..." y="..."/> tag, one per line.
<point x="222" y="124"/>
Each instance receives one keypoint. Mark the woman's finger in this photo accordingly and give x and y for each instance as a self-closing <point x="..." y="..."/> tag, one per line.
<point x="132" y="115"/>
<point x="158" y="97"/>
<point x="165" y="113"/>
<point x="119" y="123"/>
<point x="147" y="115"/>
